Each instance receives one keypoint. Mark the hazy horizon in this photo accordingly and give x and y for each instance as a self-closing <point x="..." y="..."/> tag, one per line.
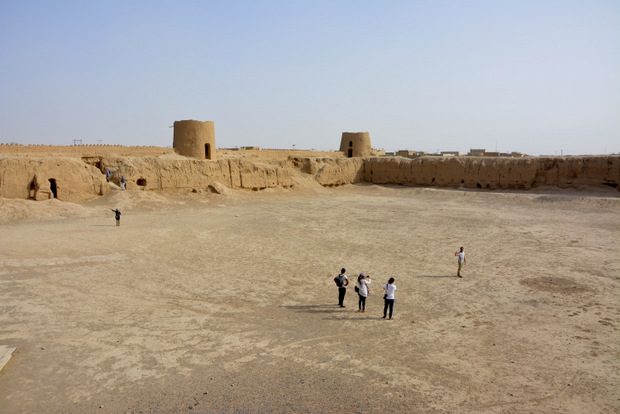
<point x="537" y="77"/>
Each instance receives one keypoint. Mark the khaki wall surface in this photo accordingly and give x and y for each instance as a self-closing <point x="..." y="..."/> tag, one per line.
<point x="191" y="137"/>
<point x="81" y="150"/>
<point x="184" y="175"/>
<point x="83" y="179"/>
<point x="496" y="173"/>
<point x="278" y="154"/>
<point x="361" y="146"/>
<point x="26" y="178"/>
<point x="122" y="151"/>
<point x="235" y="173"/>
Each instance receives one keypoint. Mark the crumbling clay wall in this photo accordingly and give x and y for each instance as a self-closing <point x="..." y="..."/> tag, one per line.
<point x="66" y="179"/>
<point x="495" y="173"/>
<point x="251" y="175"/>
<point x="331" y="172"/>
<point x="150" y="173"/>
<point x="78" y="181"/>
<point x="276" y="153"/>
<point x="86" y="150"/>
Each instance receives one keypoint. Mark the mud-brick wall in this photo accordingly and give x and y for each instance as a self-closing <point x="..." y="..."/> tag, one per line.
<point x="495" y="173"/>
<point x="331" y="172"/>
<point x="253" y="175"/>
<point x="146" y="173"/>
<point x="78" y="181"/>
<point x="74" y="180"/>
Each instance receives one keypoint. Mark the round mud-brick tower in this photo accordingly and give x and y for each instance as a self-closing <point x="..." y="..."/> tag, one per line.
<point x="356" y="144"/>
<point x="194" y="139"/>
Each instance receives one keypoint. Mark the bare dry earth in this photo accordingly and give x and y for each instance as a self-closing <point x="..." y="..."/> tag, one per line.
<point x="226" y="303"/>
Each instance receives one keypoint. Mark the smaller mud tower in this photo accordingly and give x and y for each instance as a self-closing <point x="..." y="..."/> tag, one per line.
<point x="356" y="144"/>
<point x="194" y="139"/>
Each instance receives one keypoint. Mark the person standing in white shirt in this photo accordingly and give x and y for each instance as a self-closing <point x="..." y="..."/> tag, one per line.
<point x="362" y="290"/>
<point x="390" y="289"/>
<point x="462" y="261"/>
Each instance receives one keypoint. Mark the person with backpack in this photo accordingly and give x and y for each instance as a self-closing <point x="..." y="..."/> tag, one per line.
<point x="341" y="281"/>
<point x="390" y="288"/>
<point x="117" y="215"/>
<point x="363" y="290"/>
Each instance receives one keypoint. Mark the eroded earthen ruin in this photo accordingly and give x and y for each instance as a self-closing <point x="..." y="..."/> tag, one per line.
<point x="80" y="179"/>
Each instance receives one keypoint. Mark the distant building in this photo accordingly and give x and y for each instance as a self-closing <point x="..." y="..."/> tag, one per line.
<point x="410" y="154"/>
<point x="484" y="153"/>
<point x="477" y="152"/>
<point x="242" y="149"/>
<point x="450" y="153"/>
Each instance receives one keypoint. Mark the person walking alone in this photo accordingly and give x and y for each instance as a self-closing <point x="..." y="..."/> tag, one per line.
<point x="462" y="260"/>
<point x="341" y="281"/>
<point x="389" y="288"/>
<point x="362" y="290"/>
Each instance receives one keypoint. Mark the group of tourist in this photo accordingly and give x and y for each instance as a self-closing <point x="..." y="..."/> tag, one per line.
<point x="363" y="289"/>
<point x="123" y="180"/>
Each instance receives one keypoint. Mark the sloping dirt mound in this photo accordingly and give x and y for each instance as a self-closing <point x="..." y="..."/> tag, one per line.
<point x="17" y="209"/>
<point x="147" y="200"/>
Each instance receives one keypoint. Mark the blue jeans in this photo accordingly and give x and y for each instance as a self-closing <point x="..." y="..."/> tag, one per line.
<point x="390" y="303"/>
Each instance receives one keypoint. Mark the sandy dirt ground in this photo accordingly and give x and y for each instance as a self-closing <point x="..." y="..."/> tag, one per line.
<point x="226" y="303"/>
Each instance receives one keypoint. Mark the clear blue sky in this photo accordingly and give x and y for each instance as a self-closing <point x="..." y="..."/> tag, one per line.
<point x="535" y="76"/>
